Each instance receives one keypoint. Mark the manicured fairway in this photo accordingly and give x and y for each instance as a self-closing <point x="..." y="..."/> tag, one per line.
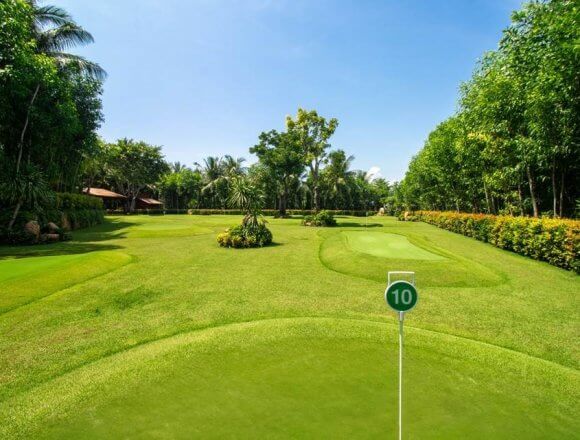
<point x="156" y="332"/>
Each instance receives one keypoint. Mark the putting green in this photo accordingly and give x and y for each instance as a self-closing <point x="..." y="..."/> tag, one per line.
<point x="304" y="378"/>
<point x="370" y="255"/>
<point x="386" y="245"/>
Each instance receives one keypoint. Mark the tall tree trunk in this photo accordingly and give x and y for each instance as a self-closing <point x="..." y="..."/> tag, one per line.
<point x="20" y="149"/>
<point x="520" y="199"/>
<point x="562" y="194"/>
<point x="25" y="128"/>
<point x="532" y="191"/>
<point x="15" y="214"/>
<point x="284" y="200"/>
<point x="315" y="189"/>
<point x="554" y="190"/>
<point x="487" y="198"/>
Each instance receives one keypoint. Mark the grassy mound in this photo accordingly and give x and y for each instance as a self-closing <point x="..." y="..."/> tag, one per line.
<point x="313" y="378"/>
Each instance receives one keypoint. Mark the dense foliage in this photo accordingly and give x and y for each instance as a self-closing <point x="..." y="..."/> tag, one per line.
<point x="322" y="218"/>
<point x="128" y="167"/>
<point x="67" y="211"/>
<point x="50" y="106"/>
<point x="514" y="145"/>
<point x="553" y="240"/>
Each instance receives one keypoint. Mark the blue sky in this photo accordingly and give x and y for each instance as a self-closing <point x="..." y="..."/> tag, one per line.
<point x="205" y="77"/>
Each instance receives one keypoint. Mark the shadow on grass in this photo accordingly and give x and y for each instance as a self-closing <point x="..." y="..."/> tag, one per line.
<point x="84" y="241"/>
<point x="48" y="250"/>
<point x="358" y="225"/>
<point x="110" y="230"/>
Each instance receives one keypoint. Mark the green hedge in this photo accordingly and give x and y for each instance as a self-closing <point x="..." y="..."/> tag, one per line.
<point x="79" y="210"/>
<point x="267" y="212"/>
<point x="552" y="240"/>
<point x="69" y="211"/>
<point x="73" y="202"/>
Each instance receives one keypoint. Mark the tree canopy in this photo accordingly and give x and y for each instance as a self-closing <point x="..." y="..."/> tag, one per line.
<point x="514" y="144"/>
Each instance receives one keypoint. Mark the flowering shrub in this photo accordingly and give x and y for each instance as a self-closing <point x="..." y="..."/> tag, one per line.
<point x="245" y="236"/>
<point x="552" y="240"/>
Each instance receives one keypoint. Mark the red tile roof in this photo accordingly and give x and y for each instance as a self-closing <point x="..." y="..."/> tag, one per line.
<point x="149" y="201"/>
<point x="103" y="193"/>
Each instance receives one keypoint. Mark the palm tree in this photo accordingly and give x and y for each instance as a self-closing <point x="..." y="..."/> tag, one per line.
<point x="337" y="173"/>
<point x="177" y="167"/>
<point x="55" y="31"/>
<point x="213" y="174"/>
<point x="248" y="197"/>
<point x="233" y="166"/>
<point x="218" y="172"/>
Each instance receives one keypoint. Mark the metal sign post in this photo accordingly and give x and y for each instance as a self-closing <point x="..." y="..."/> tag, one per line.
<point x="401" y="296"/>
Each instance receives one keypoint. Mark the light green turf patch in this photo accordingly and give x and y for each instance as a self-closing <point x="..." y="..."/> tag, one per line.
<point x="23" y="280"/>
<point x="371" y="255"/>
<point x="303" y="378"/>
<point x="386" y="245"/>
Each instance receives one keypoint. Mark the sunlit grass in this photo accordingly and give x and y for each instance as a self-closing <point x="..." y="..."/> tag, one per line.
<point x="189" y="339"/>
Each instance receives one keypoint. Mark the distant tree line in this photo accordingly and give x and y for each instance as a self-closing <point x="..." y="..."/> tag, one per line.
<point x="514" y="144"/>
<point x="296" y="169"/>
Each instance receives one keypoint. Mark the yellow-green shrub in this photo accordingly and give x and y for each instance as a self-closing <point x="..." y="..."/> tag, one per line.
<point x="553" y="240"/>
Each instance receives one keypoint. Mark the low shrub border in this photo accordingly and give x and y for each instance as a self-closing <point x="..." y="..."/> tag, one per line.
<point x="266" y="212"/>
<point x="552" y="240"/>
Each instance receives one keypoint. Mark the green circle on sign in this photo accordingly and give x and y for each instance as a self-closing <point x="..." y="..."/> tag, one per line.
<point x="401" y="296"/>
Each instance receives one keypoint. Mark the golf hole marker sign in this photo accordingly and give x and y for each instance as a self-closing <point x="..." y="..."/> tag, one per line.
<point x="401" y="296"/>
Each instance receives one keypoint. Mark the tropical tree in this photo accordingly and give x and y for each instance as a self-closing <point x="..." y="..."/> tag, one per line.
<point x="49" y="108"/>
<point x="336" y="177"/>
<point x="135" y="166"/>
<point x="247" y="197"/>
<point x="282" y="154"/>
<point x="313" y="132"/>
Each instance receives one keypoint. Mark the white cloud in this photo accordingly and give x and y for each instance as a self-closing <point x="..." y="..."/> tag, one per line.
<point x="373" y="173"/>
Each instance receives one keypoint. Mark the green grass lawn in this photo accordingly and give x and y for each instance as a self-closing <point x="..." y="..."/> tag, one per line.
<point x="145" y="328"/>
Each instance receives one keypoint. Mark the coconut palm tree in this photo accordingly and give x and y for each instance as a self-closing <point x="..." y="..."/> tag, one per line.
<point x="218" y="173"/>
<point x="55" y="32"/>
<point x="233" y="166"/>
<point x="336" y="175"/>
